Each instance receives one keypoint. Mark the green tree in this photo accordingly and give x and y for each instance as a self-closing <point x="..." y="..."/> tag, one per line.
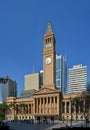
<point x="15" y="117"/>
<point x="87" y="107"/>
<point x="75" y="101"/>
<point x="13" y="107"/>
<point x="3" y="108"/>
<point x="22" y="105"/>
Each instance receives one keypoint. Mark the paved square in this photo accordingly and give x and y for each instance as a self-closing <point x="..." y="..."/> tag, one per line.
<point x="42" y="126"/>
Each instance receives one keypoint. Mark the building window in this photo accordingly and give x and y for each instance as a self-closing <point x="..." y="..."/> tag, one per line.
<point x="58" y="83"/>
<point x="57" y="74"/>
<point x="50" y="40"/>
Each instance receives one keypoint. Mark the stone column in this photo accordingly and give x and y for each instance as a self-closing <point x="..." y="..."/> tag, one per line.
<point x="31" y="108"/>
<point x="34" y="106"/>
<point x="65" y="106"/>
<point x="37" y="105"/>
<point x="43" y="105"/>
<point x="46" y="105"/>
<point x="40" y="106"/>
<point x="54" y="104"/>
<point x="50" y="105"/>
<point x="57" y="104"/>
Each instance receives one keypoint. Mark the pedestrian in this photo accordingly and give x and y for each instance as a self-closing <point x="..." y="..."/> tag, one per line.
<point x="66" y="125"/>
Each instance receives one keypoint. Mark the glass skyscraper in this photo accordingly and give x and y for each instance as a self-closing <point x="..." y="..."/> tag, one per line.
<point x="61" y="73"/>
<point x="9" y="89"/>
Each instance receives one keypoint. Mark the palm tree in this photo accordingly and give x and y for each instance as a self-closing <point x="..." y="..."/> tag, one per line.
<point x="13" y="107"/>
<point x="71" y="109"/>
<point x="22" y="105"/>
<point x="76" y="101"/>
<point x="87" y="107"/>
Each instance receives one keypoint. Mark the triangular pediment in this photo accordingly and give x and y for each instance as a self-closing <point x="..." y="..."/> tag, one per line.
<point x="45" y="90"/>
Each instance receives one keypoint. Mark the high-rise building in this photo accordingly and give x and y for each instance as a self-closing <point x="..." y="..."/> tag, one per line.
<point x="9" y="88"/>
<point x="77" y="79"/>
<point x="61" y="73"/>
<point x="32" y="81"/>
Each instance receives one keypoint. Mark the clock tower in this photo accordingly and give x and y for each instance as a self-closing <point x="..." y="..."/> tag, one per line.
<point x="49" y="58"/>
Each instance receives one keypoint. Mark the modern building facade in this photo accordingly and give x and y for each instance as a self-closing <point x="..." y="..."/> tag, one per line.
<point x="61" y="73"/>
<point x="32" y="81"/>
<point x="9" y="88"/>
<point x="77" y="79"/>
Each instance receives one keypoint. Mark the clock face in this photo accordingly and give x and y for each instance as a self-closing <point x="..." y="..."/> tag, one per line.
<point x="48" y="60"/>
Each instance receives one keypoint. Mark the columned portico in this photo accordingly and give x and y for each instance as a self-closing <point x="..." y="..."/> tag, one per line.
<point x="47" y="103"/>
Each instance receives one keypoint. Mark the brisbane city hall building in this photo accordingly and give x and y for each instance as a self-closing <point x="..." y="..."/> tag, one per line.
<point x="48" y="102"/>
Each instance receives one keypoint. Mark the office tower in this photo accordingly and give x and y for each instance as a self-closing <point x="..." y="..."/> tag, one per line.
<point x="32" y="81"/>
<point x="77" y="79"/>
<point x="61" y="73"/>
<point x="9" y="88"/>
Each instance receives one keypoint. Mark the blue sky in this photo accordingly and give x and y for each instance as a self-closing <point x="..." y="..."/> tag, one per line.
<point x="23" y="24"/>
